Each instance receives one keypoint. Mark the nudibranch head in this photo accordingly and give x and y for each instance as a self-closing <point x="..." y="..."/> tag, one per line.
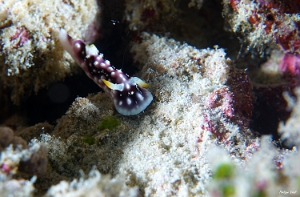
<point x="132" y="98"/>
<point x="129" y="94"/>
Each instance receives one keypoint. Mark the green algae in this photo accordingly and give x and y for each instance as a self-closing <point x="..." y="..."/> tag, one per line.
<point x="89" y="140"/>
<point x="109" y="123"/>
<point x="223" y="171"/>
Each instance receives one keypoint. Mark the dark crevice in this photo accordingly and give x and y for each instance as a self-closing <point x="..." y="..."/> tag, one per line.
<point x="53" y="102"/>
<point x="270" y="108"/>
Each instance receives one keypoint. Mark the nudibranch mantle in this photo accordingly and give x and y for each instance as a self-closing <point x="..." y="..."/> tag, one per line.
<point x="128" y="93"/>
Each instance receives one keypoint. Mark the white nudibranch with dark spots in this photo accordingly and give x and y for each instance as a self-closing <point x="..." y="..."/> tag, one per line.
<point x="128" y="93"/>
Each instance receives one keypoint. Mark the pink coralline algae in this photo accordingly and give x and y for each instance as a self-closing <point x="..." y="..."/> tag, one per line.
<point x="6" y="168"/>
<point x="290" y="63"/>
<point x="20" y="37"/>
<point x="234" y="101"/>
<point x="215" y="127"/>
<point x="222" y="98"/>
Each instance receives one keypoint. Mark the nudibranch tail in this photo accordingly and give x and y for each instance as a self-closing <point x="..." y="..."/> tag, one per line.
<point x="129" y="94"/>
<point x="65" y="41"/>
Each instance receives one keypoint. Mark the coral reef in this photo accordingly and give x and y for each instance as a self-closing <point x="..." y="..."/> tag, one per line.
<point x="7" y="137"/>
<point x="262" y="177"/>
<point x="17" y="188"/>
<point x="30" y="56"/>
<point x="17" y="160"/>
<point x="183" y="125"/>
<point x="265" y="24"/>
<point x="211" y="129"/>
<point x="270" y="28"/>
<point x="291" y="129"/>
<point x="95" y="185"/>
<point x="31" y="159"/>
<point x="174" y="124"/>
<point x="144" y="15"/>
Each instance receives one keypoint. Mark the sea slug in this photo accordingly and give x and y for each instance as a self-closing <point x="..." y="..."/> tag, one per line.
<point x="128" y="93"/>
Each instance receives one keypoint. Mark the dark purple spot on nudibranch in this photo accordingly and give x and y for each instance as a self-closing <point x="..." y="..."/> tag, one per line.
<point x="129" y="94"/>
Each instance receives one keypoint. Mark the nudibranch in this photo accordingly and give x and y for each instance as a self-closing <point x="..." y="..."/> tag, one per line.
<point x="129" y="94"/>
